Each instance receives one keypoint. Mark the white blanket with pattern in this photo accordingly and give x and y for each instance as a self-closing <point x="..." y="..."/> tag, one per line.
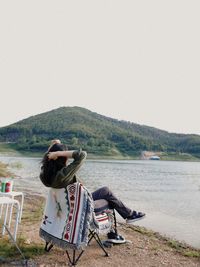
<point x="67" y="217"/>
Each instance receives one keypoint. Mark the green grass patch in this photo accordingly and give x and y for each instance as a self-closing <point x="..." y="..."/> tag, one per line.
<point x="7" y="147"/>
<point x="141" y="230"/>
<point x="10" y="149"/>
<point x="178" y="157"/>
<point x="175" y="244"/>
<point x="191" y="253"/>
<point x="184" y="249"/>
<point x="10" y="252"/>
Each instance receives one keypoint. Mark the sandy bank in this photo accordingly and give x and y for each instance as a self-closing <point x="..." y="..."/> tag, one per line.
<point x="145" y="248"/>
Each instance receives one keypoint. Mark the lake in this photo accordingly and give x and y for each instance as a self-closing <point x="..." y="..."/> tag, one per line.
<point x="167" y="191"/>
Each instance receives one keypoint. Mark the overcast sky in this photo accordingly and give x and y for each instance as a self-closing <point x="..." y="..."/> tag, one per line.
<point x="133" y="60"/>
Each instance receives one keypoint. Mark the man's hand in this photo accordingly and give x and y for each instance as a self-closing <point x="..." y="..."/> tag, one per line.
<point x="52" y="155"/>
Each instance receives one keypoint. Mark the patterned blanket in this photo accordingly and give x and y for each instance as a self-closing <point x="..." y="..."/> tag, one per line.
<point x="68" y="216"/>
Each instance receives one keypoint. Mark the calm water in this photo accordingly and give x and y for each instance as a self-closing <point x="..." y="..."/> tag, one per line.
<point x="168" y="192"/>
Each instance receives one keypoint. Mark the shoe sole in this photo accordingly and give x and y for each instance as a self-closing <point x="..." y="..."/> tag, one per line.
<point x="114" y="241"/>
<point x="134" y="220"/>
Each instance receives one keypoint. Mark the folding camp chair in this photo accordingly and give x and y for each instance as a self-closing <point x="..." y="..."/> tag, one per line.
<point x="103" y="214"/>
<point x="102" y="221"/>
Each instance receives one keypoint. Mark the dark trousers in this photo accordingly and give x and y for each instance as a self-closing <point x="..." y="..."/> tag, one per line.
<point x="114" y="202"/>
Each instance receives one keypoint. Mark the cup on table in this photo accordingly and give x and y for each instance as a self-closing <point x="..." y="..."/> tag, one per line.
<point x="3" y="185"/>
<point x="6" y="185"/>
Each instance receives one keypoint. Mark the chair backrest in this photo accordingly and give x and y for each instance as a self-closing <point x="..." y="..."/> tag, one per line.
<point x="67" y="216"/>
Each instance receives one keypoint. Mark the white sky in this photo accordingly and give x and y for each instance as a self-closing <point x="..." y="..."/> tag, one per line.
<point x="133" y="60"/>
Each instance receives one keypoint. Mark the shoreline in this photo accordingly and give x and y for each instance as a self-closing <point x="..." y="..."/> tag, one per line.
<point x="145" y="247"/>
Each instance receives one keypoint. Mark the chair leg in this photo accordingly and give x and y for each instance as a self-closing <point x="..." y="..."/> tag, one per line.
<point x="73" y="260"/>
<point x="48" y="248"/>
<point x="115" y="222"/>
<point x="98" y="240"/>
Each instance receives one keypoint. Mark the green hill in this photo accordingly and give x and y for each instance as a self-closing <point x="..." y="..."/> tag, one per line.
<point x="99" y="135"/>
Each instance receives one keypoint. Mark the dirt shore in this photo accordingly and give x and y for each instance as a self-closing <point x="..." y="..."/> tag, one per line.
<point x="143" y="249"/>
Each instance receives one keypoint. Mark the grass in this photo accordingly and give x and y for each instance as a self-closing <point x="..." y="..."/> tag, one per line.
<point x="191" y="253"/>
<point x="175" y="244"/>
<point x="142" y="230"/>
<point x="6" y="147"/>
<point x="184" y="249"/>
<point x="9" y="251"/>
<point x="178" y="157"/>
<point x="9" y="149"/>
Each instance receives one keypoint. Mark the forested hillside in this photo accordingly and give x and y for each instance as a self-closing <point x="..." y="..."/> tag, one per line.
<point x="97" y="134"/>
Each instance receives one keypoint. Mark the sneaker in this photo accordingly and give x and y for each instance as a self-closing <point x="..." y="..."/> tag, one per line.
<point x="115" y="238"/>
<point x="135" y="217"/>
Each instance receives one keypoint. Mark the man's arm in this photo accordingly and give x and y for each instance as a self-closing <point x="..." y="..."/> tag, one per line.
<point x="66" y="175"/>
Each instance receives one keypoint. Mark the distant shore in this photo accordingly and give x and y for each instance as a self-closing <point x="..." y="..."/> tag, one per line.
<point x="163" y="157"/>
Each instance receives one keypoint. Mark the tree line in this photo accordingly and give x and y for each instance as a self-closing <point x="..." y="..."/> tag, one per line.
<point x="79" y="127"/>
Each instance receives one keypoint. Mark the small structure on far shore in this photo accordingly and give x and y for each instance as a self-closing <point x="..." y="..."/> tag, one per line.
<point x="150" y="155"/>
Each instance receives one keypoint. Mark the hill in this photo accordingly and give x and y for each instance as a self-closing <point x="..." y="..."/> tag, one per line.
<point x="95" y="133"/>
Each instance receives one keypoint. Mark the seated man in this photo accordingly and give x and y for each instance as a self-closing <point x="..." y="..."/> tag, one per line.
<point x="57" y="173"/>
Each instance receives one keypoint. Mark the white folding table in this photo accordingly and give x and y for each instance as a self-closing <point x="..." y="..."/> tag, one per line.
<point x="9" y="202"/>
<point x="12" y="195"/>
